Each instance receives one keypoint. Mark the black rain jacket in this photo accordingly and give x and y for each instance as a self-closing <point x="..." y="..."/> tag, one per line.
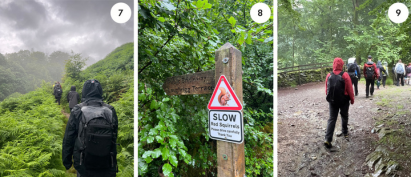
<point x="73" y="97"/>
<point x="92" y="96"/>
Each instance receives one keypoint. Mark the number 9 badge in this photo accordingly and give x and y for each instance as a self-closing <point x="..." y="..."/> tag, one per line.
<point x="260" y="12"/>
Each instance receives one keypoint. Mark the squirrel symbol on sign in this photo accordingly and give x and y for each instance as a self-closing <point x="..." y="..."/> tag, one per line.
<point x="223" y="97"/>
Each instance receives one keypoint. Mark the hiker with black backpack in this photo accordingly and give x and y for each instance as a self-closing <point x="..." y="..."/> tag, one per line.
<point x="339" y="91"/>
<point x="58" y="91"/>
<point x="354" y="72"/>
<point x="370" y="72"/>
<point x="73" y="97"/>
<point x="400" y="72"/>
<point x="91" y="135"/>
<point x="382" y="72"/>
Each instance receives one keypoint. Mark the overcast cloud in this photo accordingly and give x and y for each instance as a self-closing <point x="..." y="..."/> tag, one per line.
<point x="84" y="26"/>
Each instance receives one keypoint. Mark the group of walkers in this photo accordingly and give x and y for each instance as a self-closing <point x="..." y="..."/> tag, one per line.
<point x="402" y="73"/>
<point x="90" y="138"/>
<point x="340" y="92"/>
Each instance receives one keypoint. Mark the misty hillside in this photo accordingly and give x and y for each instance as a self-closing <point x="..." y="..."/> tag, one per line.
<point x="24" y="71"/>
<point x="32" y="125"/>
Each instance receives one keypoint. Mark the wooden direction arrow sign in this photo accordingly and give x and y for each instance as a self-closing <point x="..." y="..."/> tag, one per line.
<point x="191" y="84"/>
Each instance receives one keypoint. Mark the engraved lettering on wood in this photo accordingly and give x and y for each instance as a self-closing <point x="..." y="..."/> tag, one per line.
<point x="190" y="84"/>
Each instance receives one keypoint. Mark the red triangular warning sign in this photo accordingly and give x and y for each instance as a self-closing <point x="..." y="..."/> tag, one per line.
<point x="223" y="97"/>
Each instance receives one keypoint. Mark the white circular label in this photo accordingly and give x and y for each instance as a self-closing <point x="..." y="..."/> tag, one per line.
<point x="260" y="12"/>
<point x="398" y="12"/>
<point x="120" y="12"/>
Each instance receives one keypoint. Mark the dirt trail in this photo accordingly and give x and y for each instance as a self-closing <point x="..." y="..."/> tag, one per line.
<point x="302" y="122"/>
<point x="67" y="115"/>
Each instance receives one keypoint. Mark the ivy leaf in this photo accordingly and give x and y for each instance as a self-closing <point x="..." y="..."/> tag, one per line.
<point x="207" y="6"/>
<point x="232" y="21"/>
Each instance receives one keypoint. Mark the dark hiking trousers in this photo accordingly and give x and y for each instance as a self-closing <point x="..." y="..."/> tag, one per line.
<point x="384" y="78"/>
<point x="334" y="109"/>
<point x="58" y="100"/>
<point x="369" y="89"/>
<point x="400" y="76"/>
<point x="354" y="81"/>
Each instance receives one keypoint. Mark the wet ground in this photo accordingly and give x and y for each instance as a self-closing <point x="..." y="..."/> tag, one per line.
<point x="302" y="122"/>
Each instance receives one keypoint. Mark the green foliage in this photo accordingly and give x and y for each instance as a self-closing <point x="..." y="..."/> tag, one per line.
<point x="74" y="65"/>
<point x="319" y="31"/>
<point x="24" y="71"/>
<point x="31" y="135"/>
<point x="181" y="37"/>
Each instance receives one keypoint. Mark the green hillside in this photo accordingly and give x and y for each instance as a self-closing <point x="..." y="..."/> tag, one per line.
<point x="32" y="125"/>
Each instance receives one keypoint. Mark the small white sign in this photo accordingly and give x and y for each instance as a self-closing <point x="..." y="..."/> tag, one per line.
<point x="226" y="126"/>
<point x="398" y="12"/>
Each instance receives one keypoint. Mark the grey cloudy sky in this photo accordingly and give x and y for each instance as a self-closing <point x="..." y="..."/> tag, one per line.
<point x="84" y="26"/>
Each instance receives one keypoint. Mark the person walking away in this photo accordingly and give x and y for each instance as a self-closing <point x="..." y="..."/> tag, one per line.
<point x="339" y="91"/>
<point x="382" y="70"/>
<point x="91" y="135"/>
<point x="408" y="70"/>
<point x="400" y="71"/>
<point x="370" y="73"/>
<point x="354" y="72"/>
<point x="385" y="74"/>
<point x="73" y="97"/>
<point x="58" y="91"/>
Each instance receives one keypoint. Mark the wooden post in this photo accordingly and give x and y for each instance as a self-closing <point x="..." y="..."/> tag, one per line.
<point x="298" y="67"/>
<point x="234" y="165"/>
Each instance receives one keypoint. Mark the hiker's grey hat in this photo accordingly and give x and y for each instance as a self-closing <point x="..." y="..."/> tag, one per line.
<point x="369" y="56"/>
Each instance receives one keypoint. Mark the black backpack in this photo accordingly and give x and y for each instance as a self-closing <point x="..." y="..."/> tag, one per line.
<point x="369" y="72"/>
<point x="58" y="90"/>
<point x="408" y="70"/>
<point x="97" y="137"/>
<point x="335" y="89"/>
<point x="351" y="68"/>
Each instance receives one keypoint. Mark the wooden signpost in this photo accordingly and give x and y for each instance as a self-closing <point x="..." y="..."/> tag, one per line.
<point x="230" y="156"/>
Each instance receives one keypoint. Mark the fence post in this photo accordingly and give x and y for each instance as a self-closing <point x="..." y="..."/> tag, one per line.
<point x="298" y="68"/>
<point x="230" y="156"/>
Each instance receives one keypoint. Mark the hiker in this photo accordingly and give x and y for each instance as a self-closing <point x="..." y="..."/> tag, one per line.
<point x="73" y="97"/>
<point x="381" y="71"/>
<point x="385" y="74"/>
<point x="91" y="135"/>
<point x="408" y="70"/>
<point x="354" y="72"/>
<point x="58" y="91"/>
<point x="400" y="72"/>
<point x="370" y="72"/>
<point x="338" y="88"/>
<point x="395" y="75"/>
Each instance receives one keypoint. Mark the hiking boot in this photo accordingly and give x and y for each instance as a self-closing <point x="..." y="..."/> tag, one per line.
<point x="356" y="94"/>
<point x="366" y="96"/>
<point x="346" y="136"/>
<point x="328" y="145"/>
